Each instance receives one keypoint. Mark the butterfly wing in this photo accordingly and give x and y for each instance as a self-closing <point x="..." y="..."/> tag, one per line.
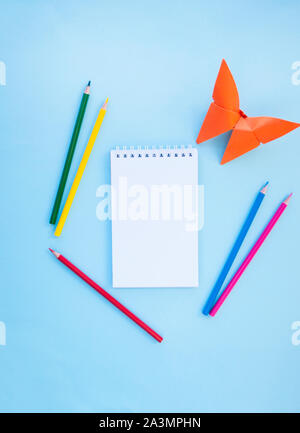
<point x="268" y="128"/>
<point x="242" y="140"/>
<point x="225" y="93"/>
<point x="251" y="131"/>
<point x="223" y="114"/>
<point x="216" y="122"/>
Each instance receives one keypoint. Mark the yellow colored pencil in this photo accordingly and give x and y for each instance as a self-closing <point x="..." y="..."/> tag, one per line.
<point x="80" y="170"/>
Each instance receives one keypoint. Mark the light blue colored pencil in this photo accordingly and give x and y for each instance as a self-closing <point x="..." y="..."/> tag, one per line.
<point x="235" y="249"/>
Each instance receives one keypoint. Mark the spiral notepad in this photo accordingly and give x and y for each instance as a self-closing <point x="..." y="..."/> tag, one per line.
<point x="154" y="209"/>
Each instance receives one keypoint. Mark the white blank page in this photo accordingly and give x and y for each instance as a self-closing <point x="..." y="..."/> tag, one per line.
<point x="153" y="245"/>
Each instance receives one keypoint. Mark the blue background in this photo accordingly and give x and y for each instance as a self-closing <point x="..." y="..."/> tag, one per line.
<point x="67" y="348"/>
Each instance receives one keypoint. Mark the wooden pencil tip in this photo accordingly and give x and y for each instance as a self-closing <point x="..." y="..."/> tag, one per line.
<point x="265" y="188"/>
<point x="287" y="200"/>
<point x="87" y="89"/>
<point x="104" y="105"/>
<point x="54" y="252"/>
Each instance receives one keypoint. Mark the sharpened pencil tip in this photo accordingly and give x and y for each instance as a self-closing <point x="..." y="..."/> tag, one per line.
<point x="54" y="252"/>
<point x="287" y="200"/>
<point x="87" y="89"/>
<point x="104" y="105"/>
<point x="265" y="188"/>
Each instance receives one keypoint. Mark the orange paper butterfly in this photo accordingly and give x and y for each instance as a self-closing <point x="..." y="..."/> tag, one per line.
<point x="225" y="114"/>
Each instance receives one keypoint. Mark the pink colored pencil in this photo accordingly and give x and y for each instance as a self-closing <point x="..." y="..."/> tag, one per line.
<point x="250" y="256"/>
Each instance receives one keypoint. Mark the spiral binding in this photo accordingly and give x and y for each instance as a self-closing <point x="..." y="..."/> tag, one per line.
<point x="154" y="152"/>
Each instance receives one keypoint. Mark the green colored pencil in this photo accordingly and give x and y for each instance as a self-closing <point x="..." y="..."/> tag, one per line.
<point x="70" y="154"/>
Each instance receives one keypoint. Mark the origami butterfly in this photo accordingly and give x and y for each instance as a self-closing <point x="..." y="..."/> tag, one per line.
<point x="225" y="114"/>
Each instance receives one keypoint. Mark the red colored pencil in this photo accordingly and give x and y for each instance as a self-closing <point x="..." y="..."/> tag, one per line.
<point x="106" y="295"/>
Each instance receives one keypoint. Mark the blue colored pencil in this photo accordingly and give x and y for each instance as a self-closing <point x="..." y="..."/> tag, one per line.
<point x="235" y="249"/>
